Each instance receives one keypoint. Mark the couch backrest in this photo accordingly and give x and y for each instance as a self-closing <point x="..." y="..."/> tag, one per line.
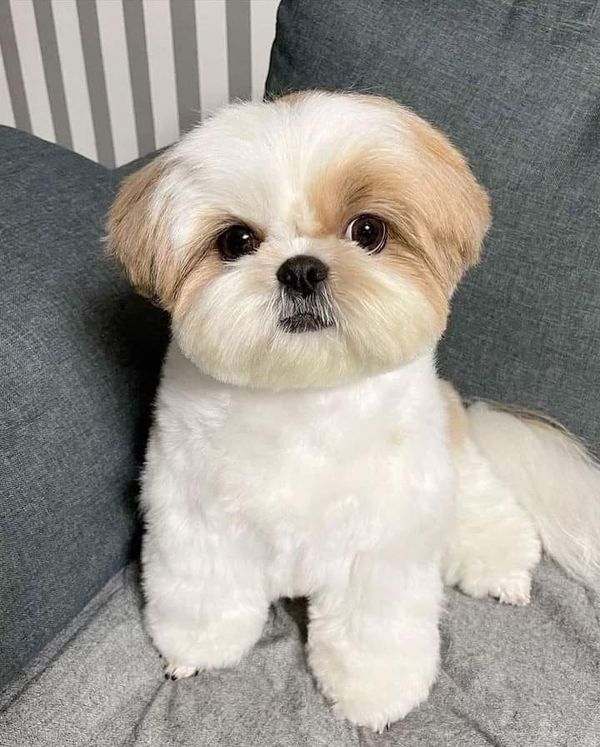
<point x="79" y="360"/>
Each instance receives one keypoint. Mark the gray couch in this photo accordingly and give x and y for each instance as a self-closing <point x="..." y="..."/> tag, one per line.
<point x="516" y="85"/>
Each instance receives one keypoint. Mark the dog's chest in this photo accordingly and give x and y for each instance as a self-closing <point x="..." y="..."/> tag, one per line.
<point x="300" y="457"/>
<point x="312" y="477"/>
<point x="321" y="463"/>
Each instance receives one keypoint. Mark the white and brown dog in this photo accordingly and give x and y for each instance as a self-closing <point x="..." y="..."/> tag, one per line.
<point x="303" y="444"/>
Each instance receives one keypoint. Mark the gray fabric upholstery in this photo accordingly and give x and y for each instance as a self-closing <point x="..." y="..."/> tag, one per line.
<point x="517" y="87"/>
<point x="79" y="357"/>
<point x="516" y="677"/>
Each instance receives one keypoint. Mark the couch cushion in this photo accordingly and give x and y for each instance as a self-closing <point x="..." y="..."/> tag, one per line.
<point x="510" y="676"/>
<point x="79" y="355"/>
<point x="516" y="86"/>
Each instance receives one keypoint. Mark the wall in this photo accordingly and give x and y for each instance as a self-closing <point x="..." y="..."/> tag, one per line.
<point x="115" y="79"/>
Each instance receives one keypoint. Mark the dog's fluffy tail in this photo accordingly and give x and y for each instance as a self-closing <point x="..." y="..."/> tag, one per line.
<point x="552" y="476"/>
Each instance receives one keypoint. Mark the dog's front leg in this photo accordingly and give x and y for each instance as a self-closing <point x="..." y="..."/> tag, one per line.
<point x="205" y="599"/>
<point x="373" y="639"/>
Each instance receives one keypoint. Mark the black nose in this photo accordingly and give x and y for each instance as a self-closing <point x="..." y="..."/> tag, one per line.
<point x="302" y="274"/>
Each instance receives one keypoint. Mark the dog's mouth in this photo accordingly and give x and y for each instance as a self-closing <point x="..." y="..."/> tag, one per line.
<point x="304" y="321"/>
<point x="306" y="313"/>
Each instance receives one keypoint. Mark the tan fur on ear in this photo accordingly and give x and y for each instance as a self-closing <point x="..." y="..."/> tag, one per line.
<point x="138" y="235"/>
<point x="462" y="205"/>
<point x="454" y="206"/>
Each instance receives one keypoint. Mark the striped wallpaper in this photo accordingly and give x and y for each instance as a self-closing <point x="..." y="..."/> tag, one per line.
<point x="116" y="79"/>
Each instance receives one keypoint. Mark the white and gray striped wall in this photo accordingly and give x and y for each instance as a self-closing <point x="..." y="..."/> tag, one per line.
<point x="116" y="79"/>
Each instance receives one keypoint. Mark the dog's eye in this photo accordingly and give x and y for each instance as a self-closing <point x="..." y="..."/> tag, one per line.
<point x="237" y="241"/>
<point x="368" y="231"/>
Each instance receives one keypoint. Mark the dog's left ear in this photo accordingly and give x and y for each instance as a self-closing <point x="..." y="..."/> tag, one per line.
<point x="447" y="210"/>
<point x="456" y="208"/>
<point x="138" y="234"/>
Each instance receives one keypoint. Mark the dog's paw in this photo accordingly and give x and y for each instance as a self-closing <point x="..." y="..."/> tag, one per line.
<point x="494" y="561"/>
<point x="514" y="588"/>
<point x="377" y="713"/>
<point x="371" y="689"/>
<point x="179" y="671"/>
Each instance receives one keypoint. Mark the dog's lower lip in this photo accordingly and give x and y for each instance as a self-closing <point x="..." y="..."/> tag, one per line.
<point x="303" y="322"/>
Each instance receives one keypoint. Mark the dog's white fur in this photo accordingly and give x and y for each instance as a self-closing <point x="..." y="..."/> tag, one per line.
<point x="329" y="463"/>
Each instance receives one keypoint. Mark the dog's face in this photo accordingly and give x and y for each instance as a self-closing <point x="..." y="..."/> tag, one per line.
<point x="304" y="242"/>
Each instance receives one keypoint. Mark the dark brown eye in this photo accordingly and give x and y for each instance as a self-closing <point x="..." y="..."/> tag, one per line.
<point x="368" y="231"/>
<point x="236" y="241"/>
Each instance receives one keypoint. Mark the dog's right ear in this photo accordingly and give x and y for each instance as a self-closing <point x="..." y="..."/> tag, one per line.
<point x="138" y="233"/>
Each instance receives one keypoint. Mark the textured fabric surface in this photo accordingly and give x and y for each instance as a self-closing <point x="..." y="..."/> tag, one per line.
<point x="515" y="677"/>
<point x="79" y="355"/>
<point x="516" y="85"/>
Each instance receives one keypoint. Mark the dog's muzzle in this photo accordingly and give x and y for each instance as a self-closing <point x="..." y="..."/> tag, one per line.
<point x="304" y="298"/>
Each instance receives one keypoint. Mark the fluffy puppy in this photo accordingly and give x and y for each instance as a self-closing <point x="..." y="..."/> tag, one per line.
<point x="302" y="444"/>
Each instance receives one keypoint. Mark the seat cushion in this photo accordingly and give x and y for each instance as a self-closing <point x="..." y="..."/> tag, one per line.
<point x="79" y="358"/>
<point x="510" y="676"/>
<point x="516" y="85"/>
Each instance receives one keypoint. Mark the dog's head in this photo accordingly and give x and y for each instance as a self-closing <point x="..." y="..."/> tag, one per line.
<point x="303" y="242"/>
